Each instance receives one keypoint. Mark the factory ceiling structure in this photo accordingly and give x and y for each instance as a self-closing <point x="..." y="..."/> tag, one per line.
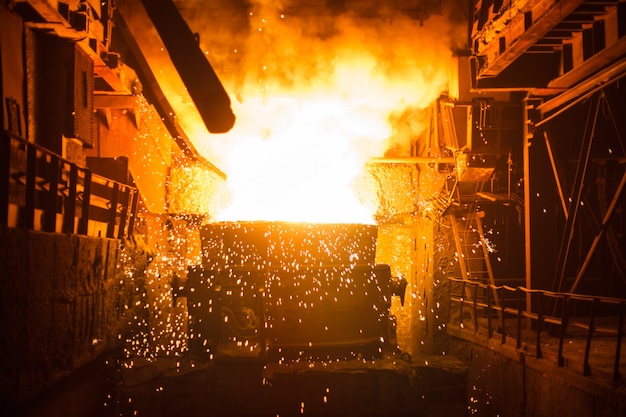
<point x="331" y="207"/>
<point x="579" y="48"/>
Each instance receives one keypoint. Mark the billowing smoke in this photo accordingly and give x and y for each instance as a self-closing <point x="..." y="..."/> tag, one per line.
<point x="317" y="91"/>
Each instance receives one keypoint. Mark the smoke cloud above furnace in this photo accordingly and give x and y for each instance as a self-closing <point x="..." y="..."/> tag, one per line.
<point x="317" y="93"/>
<point x="266" y="48"/>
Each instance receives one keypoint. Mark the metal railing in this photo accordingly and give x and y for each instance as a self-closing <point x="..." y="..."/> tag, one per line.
<point x="40" y="190"/>
<point x="554" y="314"/>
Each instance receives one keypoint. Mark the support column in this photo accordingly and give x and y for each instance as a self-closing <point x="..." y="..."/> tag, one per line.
<point x="528" y="135"/>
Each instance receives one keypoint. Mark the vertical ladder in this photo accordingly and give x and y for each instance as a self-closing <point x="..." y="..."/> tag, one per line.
<point x="473" y="253"/>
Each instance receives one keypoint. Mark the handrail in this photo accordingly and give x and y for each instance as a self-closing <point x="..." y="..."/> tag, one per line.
<point x="49" y="193"/>
<point x="561" y="319"/>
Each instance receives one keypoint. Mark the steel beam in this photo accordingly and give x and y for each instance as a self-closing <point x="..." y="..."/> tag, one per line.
<point x="527" y="138"/>
<point x="582" y="91"/>
<point x="517" y="36"/>
<point x="581" y="170"/>
<point x="159" y="100"/>
<point x="555" y="171"/>
<point x="204" y="86"/>
<point x="596" y="241"/>
<point x="414" y="160"/>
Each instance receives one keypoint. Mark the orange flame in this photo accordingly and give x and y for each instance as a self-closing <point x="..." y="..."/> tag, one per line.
<point x="312" y="112"/>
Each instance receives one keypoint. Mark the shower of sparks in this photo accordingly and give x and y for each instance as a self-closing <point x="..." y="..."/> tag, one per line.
<point x="313" y="280"/>
<point x="311" y="110"/>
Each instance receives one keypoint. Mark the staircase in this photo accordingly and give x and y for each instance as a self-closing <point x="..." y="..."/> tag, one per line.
<point x="473" y="254"/>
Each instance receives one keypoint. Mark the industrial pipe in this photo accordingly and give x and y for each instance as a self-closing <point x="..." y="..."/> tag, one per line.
<point x="414" y="160"/>
<point x="203" y="85"/>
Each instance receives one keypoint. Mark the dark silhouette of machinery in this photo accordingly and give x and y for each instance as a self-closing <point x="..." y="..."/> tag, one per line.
<point x="280" y="290"/>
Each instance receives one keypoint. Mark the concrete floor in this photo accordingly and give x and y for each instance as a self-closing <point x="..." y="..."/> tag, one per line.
<point x="433" y="386"/>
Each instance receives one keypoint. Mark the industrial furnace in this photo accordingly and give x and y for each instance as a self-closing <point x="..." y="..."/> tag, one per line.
<point x="281" y="291"/>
